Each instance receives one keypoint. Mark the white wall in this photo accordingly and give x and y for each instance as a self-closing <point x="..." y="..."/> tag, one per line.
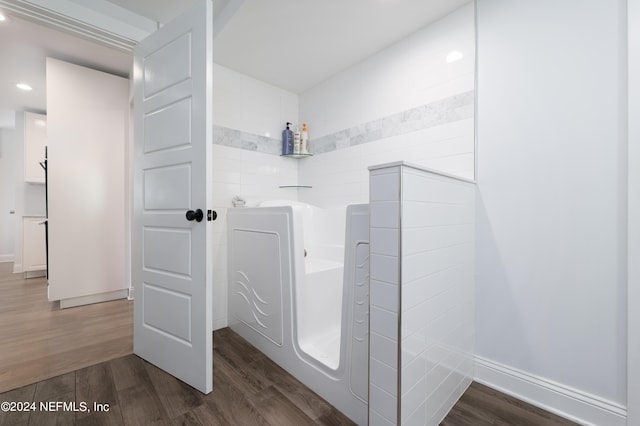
<point x="87" y="132"/>
<point x="248" y="116"/>
<point x="7" y="194"/>
<point x="403" y="103"/>
<point x="551" y="230"/>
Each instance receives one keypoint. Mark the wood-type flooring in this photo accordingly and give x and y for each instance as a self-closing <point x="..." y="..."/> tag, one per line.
<point x="38" y="340"/>
<point x="100" y="387"/>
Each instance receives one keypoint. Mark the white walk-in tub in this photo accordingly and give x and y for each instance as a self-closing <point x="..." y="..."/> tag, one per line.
<point x="299" y="292"/>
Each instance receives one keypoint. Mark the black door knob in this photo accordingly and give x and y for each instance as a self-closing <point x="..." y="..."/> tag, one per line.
<point x="197" y="215"/>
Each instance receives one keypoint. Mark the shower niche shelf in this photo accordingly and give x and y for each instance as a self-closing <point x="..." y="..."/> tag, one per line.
<point x="296" y="155"/>
<point x="295" y="186"/>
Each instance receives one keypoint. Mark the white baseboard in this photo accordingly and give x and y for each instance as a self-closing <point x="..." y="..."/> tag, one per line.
<point x="564" y="401"/>
<point x="94" y="298"/>
<point x="6" y="258"/>
<point x="17" y="268"/>
<point x="35" y="274"/>
<point x="219" y="323"/>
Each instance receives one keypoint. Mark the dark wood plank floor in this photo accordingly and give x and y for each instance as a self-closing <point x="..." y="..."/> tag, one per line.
<point x="483" y="406"/>
<point x="249" y="389"/>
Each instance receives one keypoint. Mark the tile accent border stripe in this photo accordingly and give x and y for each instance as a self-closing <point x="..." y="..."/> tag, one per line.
<point x="447" y="110"/>
<point x="247" y="141"/>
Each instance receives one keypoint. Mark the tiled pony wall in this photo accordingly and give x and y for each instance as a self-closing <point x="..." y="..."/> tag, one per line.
<point x="406" y="102"/>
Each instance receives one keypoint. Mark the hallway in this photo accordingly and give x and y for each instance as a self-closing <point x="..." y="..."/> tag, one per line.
<point x="39" y="341"/>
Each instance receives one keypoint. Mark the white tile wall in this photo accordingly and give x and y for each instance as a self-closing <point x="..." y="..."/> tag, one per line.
<point x="422" y="250"/>
<point x="385" y="274"/>
<point x="410" y="73"/>
<point x="438" y="231"/>
<point x="341" y="177"/>
<point x="406" y="75"/>
<point x="245" y="104"/>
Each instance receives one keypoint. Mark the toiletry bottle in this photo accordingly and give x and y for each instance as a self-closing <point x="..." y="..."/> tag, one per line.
<point x="296" y="141"/>
<point x="304" y="140"/>
<point x="287" y="140"/>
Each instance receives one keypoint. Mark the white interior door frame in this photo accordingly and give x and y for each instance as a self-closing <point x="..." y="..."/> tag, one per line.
<point x="633" y="188"/>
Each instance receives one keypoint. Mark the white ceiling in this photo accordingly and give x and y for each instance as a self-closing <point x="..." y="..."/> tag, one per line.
<point x="296" y="44"/>
<point x="292" y="44"/>
<point x="24" y="47"/>
<point x="157" y="10"/>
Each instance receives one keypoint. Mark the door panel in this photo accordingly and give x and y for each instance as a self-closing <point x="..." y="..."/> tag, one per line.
<point x="172" y="103"/>
<point x="156" y="240"/>
<point x="168" y="187"/>
<point x="168" y="127"/>
<point x="168" y="65"/>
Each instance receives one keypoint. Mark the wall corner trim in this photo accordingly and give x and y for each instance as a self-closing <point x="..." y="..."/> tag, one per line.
<point x="564" y="401"/>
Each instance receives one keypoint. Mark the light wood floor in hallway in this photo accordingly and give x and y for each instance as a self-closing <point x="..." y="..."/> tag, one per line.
<point x="38" y="340"/>
<point x="85" y="363"/>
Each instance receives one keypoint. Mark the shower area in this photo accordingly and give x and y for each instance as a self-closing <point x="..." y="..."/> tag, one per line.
<point x="352" y="267"/>
<point x="299" y="292"/>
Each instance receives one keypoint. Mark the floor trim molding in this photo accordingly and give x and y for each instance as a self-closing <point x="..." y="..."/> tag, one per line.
<point x="564" y="401"/>
<point x="94" y="298"/>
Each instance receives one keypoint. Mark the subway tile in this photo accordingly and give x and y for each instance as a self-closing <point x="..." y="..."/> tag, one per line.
<point x="412" y="373"/>
<point x="384" y="349"/>
<point x="384" y="268"/>
<point x="385" y="214"/>
<point x="429" y="262"/>
<point x="426" y="287"/>
<point x="436" y="237"/>
<point x="413" y="398"/>
<point x="384" y="323"/>
<point x="413" y="346"/>
<point x="384" y="376"/>
<point x="383" y="403"/>
<point x="385" y="187"/>
<point x="385" y="241"/>
<point x="417" y="418"/>
<point x="384" y="295"/>
<point x="377" y="419"/>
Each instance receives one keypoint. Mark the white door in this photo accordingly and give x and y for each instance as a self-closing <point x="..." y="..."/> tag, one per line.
<point x="172" y="278"/>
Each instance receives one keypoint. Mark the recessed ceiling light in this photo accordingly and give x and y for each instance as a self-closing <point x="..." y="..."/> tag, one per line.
<point x="24" y="86"/>
<point x="2" y="17"/>
<point x="453" y="56"/>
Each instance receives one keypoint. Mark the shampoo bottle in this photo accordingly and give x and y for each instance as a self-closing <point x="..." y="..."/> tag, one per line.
<point x="296" y="141"/>
<point x="287" y="141"/>
<point x="304" y="140"/>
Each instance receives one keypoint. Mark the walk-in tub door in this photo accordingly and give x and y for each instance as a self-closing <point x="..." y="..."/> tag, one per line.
<point x="172" y="109"/>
